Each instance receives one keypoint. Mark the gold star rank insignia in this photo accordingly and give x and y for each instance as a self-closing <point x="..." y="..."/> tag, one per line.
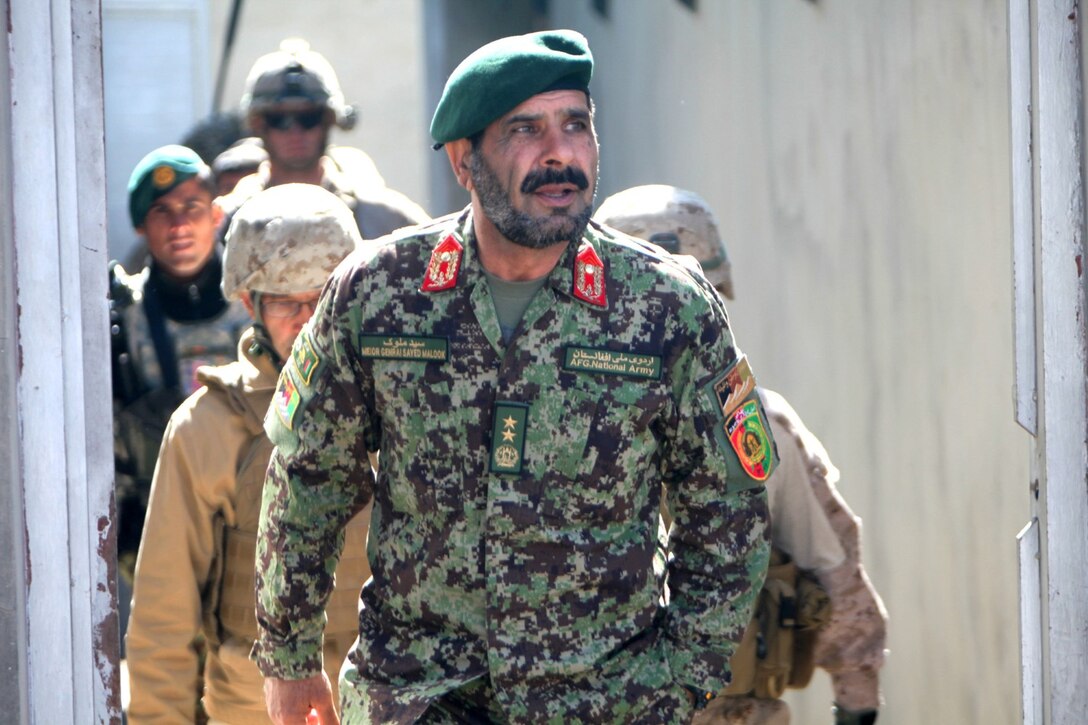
<point x="508" y="437"/>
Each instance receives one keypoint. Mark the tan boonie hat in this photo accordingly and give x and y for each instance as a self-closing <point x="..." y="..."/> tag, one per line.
<point x="678" y="220"/>
<point x="287" y="239"/>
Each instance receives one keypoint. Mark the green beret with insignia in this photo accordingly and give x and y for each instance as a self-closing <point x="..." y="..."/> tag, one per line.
<point x="504" y="73"/>
<point x="158" y="173"/>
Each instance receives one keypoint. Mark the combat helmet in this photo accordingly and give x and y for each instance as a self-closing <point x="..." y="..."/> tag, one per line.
<point x="294" y="73"/>
<point x="678" y="220"/>
<point x="287" y="239"/>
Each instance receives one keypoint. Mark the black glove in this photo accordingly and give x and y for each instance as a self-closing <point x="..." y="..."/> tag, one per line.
<point x="853" y="717"/>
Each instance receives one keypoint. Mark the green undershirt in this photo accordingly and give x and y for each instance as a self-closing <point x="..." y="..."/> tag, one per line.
<point x="511" y="300"/>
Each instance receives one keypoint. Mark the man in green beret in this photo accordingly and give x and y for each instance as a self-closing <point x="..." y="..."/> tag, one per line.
<point x="166" y="321"/>
<point x="530" y="379"/>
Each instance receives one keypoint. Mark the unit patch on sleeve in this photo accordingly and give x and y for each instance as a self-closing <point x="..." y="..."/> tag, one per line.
<point x="404" y="347"/>
<point x="747" y="433"/>
<point x="734" y="386"/>
<point x="508" y="437"/>
<point x="287" y="400"/>
<point x="306" y="358"/>
<point x="612" y="362"/>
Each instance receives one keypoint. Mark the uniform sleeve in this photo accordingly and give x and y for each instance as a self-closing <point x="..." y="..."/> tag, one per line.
<point x="176" y="554"/>
<point x="816" y="527"/>
<point x="318" y="478"/>
<point x="718" y="543"/>
<point x="851" y="646"/>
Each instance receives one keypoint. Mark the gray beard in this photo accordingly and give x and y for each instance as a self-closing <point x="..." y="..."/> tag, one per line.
<point x="519" y="227"/>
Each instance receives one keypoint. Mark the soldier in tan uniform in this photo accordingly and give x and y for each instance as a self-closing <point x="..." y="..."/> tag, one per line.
<point x="292" y="100"/>
<point x="195" y="571"/>
<point x="813" y="530"/>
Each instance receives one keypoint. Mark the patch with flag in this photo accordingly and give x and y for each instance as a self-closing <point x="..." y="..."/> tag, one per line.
<point x="287" y="400"/>
<point x="306" y="358"/>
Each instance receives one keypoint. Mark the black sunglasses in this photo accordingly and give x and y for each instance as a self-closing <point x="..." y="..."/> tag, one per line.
<point x="284" y="121"/>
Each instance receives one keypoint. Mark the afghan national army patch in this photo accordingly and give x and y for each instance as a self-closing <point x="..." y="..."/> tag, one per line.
<point x="589" y="276"/>
<point x="747" y="433"/>
<point x="744" y="427"/>
<point x="287" y="400"/>
<point x="444" y="265"/>
<point x="612" y="362"/>
<point x="305" y="357"/>
<point x="508" y="437"/>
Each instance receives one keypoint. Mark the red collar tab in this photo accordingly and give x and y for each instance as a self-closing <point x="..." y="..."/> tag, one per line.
<point x="444" y="265"/>
<point x="589" y="276"/>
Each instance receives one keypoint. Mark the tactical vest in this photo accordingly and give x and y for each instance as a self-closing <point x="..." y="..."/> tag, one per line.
<point x="230" y="610"/>
<point x="779" y="645"/>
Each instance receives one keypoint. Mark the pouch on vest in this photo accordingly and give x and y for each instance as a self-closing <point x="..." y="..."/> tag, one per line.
<point x="778" y="648"/>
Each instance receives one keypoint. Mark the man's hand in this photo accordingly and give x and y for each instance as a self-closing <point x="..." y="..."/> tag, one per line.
<point x="290" y="702"/>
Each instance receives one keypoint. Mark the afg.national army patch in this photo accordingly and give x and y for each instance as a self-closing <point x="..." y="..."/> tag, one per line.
<point x="748" y="435"/>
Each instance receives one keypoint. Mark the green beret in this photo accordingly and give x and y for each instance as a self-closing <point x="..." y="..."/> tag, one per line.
<point x="506" y="72"/>
<point x="157" y="174"/>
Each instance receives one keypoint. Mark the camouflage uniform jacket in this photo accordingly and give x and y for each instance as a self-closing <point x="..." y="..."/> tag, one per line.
<point x="195" y="569"/>
<point x="516" y="505"/>
<point x="378" y="209"/>
<point x="812" y="522"/>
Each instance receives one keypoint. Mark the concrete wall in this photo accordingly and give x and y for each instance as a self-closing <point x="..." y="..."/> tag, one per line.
<point x="857" y="155"/>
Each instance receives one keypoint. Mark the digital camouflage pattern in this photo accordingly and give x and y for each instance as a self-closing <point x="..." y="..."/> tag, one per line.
<point x="516" y="508"/>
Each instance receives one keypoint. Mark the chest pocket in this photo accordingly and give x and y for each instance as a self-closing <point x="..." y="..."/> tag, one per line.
<point x="420" y="461"/>
<point x="601" y="448"/>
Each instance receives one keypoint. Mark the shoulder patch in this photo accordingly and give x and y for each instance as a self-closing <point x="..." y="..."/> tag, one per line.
<point x="736" y="384"/>
<point x="740" y="423"/>
<point x="287" y="400"/>
<point x="747" y="432"/>
<point x="306" y="359"/>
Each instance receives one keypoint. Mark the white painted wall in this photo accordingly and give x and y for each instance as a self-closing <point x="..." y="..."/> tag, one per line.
<point x="858" y="157"/>
<point x="157" y="84"/>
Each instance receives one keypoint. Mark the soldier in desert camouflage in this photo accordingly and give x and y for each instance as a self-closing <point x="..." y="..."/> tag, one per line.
<point x="530" y="380"/>
<point x="194" y="575"/>
<point x="812" y="527"/>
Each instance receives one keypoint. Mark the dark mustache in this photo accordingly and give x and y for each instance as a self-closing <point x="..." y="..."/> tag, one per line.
<point x="569" y="175"/>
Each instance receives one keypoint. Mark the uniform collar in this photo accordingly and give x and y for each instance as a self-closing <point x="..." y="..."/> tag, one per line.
<point x="454" y="262"/>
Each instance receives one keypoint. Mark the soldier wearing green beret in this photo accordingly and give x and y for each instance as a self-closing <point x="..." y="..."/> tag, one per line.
<point x="529" y="378"/>
<point x="292" y="100"/>
<point x="166" y="321"/>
